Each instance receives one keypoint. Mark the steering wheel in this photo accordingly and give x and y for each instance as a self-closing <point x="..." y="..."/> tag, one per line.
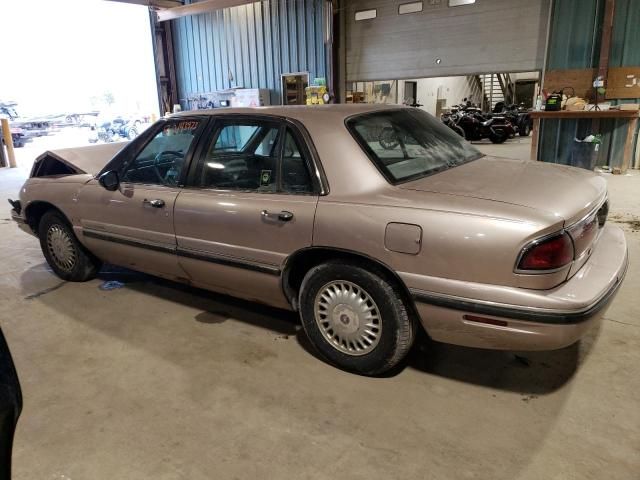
<point x="388" y="138"/>
<point x="158" y="159"/>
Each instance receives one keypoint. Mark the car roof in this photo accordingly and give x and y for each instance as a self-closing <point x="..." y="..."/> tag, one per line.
<point x="339" y="111"/>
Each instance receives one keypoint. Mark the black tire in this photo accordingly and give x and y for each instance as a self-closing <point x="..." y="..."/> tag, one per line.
<point x="525" y="130"/>
<point x="500" y="136"/>
<point x="396" y="327"/>
<point x="54" y="229"/>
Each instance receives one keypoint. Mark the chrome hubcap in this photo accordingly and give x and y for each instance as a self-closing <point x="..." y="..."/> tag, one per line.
<point x="348" y="317"/>
<point x="61" y="247"/>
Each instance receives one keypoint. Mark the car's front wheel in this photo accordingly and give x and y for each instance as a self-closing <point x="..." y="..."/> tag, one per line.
<point x="65" y="255"/>
<point x="355" y="318"/>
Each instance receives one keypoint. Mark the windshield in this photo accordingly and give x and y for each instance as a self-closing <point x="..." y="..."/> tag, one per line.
<point x="408" y="144"/>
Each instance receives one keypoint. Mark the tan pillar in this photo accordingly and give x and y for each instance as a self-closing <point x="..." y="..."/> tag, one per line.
<point x="8" y="141"/>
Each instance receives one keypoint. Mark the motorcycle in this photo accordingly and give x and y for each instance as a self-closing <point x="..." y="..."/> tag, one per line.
<point x="467" y="120"/>
<point x="450" y="119"/>
<point x="477" y="127"/>
<point x="517" y="115"/>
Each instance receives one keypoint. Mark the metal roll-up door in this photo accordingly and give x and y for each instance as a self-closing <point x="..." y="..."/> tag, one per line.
<point x="442" y="40"/>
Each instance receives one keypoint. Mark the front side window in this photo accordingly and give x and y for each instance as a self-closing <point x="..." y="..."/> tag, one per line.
<point x="161" y="161"/>
<point x="255" y="156"/>
<point x="409" y="144"/>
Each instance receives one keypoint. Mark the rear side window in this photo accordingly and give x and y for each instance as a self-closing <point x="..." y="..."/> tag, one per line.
<point x="255" y="156"/>
<point x="295" y="173"/>
<point x="240" y="159"/>
<point x="409" y="144"/>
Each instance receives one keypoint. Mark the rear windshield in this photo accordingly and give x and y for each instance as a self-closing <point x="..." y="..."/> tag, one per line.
<point x="408" y="144"/>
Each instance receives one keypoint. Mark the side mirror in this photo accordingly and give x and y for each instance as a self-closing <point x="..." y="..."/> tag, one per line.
<point x="109" y="180"/>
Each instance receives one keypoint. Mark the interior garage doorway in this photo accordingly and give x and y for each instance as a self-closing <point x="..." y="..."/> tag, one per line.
<point x="437" y="95"/>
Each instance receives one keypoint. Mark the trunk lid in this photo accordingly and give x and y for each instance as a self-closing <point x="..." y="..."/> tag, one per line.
<point x="565" y="192"/>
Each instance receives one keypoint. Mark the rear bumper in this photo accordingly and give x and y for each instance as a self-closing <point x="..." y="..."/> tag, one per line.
<point x="578" y="304"/>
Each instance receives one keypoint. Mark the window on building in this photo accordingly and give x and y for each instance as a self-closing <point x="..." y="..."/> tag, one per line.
<point x="412" y="7"/>
<point x="366" y="14"/>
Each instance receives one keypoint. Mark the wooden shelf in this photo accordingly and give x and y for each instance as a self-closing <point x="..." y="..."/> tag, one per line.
<point x="632" y="116"/>
<point x="585" y="114"/>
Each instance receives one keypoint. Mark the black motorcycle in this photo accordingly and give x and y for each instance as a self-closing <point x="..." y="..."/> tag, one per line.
<point x="450" y="119"/>
<point x="477" y="127"/>
<point x="517" y="115"/>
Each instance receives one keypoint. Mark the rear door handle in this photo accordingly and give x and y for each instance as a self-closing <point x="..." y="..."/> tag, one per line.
<point x="283" y="216"/>
<point x="155" y="203"/>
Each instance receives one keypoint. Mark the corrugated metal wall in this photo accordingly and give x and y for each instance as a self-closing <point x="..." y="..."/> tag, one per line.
<point x="575" y="34"/>
<point x="249" y="46"/>
<point x="576" y="27"/>
<point x="625" y="45"/>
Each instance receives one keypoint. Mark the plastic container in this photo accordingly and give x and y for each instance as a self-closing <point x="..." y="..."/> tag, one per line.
<point x="584" y="155"/>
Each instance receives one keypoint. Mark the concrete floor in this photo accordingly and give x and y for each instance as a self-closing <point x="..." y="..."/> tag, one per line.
<point x="159" y="381"/>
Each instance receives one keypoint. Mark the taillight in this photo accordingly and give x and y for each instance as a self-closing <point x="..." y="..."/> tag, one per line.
<point x="549" y="254"/>
<point x="602" y="214"/>
<point x="583" y="234"/>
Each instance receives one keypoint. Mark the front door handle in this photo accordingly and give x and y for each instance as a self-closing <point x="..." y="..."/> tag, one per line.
<point x="155" y="203"/>
<point x="283" y="216"/>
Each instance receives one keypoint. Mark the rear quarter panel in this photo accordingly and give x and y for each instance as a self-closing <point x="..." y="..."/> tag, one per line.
<point x="472" y="247"/>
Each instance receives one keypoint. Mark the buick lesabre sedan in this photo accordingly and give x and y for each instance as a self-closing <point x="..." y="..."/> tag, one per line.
<point x="368" y="220"/>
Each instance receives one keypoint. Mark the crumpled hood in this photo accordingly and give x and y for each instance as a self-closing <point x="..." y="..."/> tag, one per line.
<point x="89" y="159"/>
<point x="563" y="191"/>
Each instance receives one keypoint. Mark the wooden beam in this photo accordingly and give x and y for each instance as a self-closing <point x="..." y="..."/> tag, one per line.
<point x="585" y="114"/>
<point x="153" y="3"/>
<point x="581" y="79"/>
<point x="605" y="41"/>
<point x="198" y="8"/>
<point x="535" y="133"/>
<point x="605" y="50"/>
<point x="628" y="144"/>
<point x="623" y="82"/>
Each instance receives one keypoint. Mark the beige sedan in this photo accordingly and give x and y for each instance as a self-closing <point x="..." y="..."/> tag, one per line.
<point x="370" y="221"/>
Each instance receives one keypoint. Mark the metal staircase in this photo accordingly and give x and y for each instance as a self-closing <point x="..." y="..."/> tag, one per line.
<point x="496" y="87"/>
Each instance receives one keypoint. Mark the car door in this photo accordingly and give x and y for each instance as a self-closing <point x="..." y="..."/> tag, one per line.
<point x="133" y="225"/>
<point x="250" y="201"/>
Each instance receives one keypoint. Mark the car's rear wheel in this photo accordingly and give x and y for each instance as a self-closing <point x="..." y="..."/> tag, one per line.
<point x="355" y="318"/>
<point x="64" y="253"/>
